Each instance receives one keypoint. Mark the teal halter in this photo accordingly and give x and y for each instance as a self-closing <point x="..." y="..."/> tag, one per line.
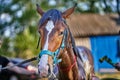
<point x="55" y="54"/>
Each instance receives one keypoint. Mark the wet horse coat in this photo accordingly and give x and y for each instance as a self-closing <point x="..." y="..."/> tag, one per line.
<point x="58" y="48"/>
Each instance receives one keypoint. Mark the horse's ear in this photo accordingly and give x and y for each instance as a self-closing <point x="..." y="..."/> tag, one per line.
<point x="39" y="10"/>
<point x="68" y="12"/>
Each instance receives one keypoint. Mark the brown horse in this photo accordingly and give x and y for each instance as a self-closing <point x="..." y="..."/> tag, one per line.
<point x="58" y="49"/>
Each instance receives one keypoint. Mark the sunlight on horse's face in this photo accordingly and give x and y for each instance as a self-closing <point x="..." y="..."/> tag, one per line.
<point x="51" y="38"/>
<point x="51" y="35"/>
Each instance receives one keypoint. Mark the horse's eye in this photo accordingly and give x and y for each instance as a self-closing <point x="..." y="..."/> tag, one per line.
<point x="39" y="32"/>
<point x="61" y="33"/>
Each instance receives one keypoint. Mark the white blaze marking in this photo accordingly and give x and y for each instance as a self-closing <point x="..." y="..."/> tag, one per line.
<point x="49" y="27"/>
<point x="43" y="61"/>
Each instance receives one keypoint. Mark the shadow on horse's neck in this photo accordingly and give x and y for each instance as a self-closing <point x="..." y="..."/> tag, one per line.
<point x="68" y="66"/>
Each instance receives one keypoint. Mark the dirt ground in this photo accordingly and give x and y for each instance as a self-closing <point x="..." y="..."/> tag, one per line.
<point x="109" y="76"/>
<point x="43" y="79"/>
<point x="104" y="76"/>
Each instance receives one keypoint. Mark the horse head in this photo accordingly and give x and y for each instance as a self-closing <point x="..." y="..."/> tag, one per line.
<point x="54" y="35"/>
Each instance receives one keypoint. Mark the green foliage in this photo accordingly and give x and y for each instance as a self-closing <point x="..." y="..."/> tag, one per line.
<point x="24" y="34"/>
<point x="25" y="43"/>
<point x="5" y="50"/>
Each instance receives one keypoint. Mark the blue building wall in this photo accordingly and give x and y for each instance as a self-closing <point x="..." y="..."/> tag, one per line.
<point x="101" y="46"/>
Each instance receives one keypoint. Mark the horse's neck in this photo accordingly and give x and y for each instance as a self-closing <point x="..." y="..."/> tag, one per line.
<point x="67" y="71"/>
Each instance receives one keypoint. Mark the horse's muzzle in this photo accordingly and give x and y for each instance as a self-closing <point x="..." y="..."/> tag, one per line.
<point x="45" y="71"/>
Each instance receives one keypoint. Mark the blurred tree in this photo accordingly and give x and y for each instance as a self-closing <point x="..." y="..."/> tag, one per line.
<point x="4" y="50"/>
<point x="118" y="8"/>
<point x="18" y="24"/>
<point x="25" y="43"/>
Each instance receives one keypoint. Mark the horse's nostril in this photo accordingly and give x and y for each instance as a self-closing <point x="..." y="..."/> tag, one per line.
<point x="49" y="69"/>
<point x="43" y="73"/>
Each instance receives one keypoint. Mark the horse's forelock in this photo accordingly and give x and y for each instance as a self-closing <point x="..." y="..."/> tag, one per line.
<point x="52" y="14"/>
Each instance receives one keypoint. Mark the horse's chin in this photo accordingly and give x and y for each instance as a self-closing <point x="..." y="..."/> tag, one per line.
<point x="43" y="72"/>
<point x="43" y="75"/>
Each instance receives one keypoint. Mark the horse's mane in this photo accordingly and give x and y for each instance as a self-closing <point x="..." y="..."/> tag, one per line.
<point x="52" y="14"/>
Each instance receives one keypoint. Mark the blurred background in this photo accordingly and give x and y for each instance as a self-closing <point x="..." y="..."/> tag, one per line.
<point x="97" y="25"/>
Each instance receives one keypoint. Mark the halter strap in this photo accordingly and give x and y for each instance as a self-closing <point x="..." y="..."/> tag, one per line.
<point x="38" y="43"/>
